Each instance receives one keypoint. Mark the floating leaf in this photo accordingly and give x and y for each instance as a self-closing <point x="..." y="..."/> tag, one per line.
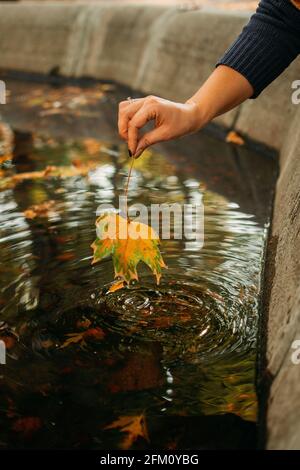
<point x="134" y="426"/>
<point x="129" y="243"/>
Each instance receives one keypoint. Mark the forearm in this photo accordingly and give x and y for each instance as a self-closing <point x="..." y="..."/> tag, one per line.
<point x="224" y="90"/>
<point x="267" y="45"/>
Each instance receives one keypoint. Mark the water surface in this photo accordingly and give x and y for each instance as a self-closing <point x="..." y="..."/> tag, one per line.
<point x="182" y="354"/>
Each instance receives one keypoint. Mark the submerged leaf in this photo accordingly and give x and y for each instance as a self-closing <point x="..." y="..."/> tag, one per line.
<point x="128" y="243"/>
<point x="27" y="426"/>
<point x="92" y="146"/>
<point x="44" y="209"/>
<point x="62" y="172"/>
<point x="134" y="426"/>
<point x="75" y="338"/>
<point x="234" y="138"/>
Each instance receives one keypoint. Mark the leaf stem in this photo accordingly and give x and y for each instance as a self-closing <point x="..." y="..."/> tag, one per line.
<point x="127" y="186"/>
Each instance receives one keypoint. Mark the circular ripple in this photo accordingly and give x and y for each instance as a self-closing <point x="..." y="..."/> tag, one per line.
<point x="189" y="321"/>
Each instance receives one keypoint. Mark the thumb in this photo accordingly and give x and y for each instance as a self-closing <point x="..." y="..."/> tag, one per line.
<point x="150" y="138"/>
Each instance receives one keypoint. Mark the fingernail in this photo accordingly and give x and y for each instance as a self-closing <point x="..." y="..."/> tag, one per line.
<point x="138" y="153"/>
<point x="129" y="153"/>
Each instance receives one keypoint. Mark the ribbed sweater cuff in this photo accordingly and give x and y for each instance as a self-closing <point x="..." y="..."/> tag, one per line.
<point x="260" y="54"/>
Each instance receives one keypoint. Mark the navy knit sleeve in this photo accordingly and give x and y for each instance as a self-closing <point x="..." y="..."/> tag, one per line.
<point x="267" y="45"/>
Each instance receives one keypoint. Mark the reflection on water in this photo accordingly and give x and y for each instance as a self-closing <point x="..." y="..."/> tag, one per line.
<point x="182" y="353"/>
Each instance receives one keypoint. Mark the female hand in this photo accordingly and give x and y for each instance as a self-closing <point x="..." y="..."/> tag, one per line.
<point x="171" y="120"/>
<point x="224" y="89"/>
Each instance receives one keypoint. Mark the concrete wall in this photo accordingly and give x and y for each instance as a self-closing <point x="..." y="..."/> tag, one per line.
<point x="155" y="49"/>
<point x="34" y="38"/>
<point x="170" y="52"/>
<point x="284" y="299"/>
<point x="166" y="51"/>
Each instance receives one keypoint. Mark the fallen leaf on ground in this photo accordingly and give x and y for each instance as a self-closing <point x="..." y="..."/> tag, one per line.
<point x="134" y="426"/>
<point x="129" y="243"/>
<point x="234" y="138"/>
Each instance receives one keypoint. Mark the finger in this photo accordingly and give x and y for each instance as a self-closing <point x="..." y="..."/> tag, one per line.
<point x="150" y="138"/>
<point x="145" y="114"/>
<point x="127" y="109"/>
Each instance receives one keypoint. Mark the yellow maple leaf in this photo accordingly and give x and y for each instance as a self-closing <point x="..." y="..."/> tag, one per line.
<point x="129" y="243"/>
<point x="134" y="426"/>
